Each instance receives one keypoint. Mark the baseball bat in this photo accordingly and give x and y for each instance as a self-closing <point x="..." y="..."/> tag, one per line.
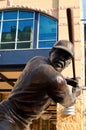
<point x="70" y="21"/>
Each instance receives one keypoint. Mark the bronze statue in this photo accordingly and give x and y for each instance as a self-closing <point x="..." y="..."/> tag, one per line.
<point x="40" y="82"/>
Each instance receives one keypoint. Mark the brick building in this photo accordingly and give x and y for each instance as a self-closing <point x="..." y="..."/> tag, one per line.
<point x="29" y="28"/>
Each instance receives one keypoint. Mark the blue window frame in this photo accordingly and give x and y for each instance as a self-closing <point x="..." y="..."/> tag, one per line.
<point x="21" y="29"/>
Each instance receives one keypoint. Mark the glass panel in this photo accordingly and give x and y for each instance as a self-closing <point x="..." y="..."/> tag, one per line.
<point x="0" y="15"/>
<point x="25" y="14"/>
<point x="45" y="44"/>
<point x="47" y="28"/>
<point x="8" y="31"/>
<point x="25" y="30"/>
<point x="7" y="46"/>
<point x="10" y="15"/>
<point x="23" y="45"/>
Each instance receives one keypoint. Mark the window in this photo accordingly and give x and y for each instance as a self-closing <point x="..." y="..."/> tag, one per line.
<point x="47" y="32"/>
<point x="21" y="29"/>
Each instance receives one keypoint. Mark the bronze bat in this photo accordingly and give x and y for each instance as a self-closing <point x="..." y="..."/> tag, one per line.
<point x="70" y="20"/>
<point x="71" y="34"/>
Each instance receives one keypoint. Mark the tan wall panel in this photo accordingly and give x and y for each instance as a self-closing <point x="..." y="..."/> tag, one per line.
<point x="37" y="3"/>
<point x="64" y="31"/>
<point x="3" y="2"/>
<point x="69" y="3"/>
<point x="77" y="33"/>
<point x="68" y="72"/>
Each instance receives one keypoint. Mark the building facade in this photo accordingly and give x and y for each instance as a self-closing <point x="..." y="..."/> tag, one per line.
<point x="31" y="27"/>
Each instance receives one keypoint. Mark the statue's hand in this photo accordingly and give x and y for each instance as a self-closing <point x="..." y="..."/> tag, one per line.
<point x="73" y="82"/>
<point x="76" y="91"/>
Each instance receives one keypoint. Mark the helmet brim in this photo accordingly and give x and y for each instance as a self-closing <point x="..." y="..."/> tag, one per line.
<point x="65" y="49"/>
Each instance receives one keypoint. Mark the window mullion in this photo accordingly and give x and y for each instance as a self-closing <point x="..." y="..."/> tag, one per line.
<point x="35" y="33"/>
<point x="17" y="30"/>
<point x="1" y="27"/>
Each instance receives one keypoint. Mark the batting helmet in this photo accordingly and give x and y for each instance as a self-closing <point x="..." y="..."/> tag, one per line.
<point x="65" y="45"/>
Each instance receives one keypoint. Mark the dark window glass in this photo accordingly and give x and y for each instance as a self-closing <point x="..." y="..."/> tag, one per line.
<point x="25" y="30"/>
<point x="7" y="46"/>
<point x="10" y="15"/>
<point x="25" y="14"/>
<point x="23" y="45"/>
<point x="8" y="31"/>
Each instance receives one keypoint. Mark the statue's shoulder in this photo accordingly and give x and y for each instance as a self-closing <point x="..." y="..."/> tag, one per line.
<point x="37" y="58"/>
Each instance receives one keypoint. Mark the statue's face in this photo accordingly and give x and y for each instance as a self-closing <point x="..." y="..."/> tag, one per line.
<point x="60" y="59"/>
